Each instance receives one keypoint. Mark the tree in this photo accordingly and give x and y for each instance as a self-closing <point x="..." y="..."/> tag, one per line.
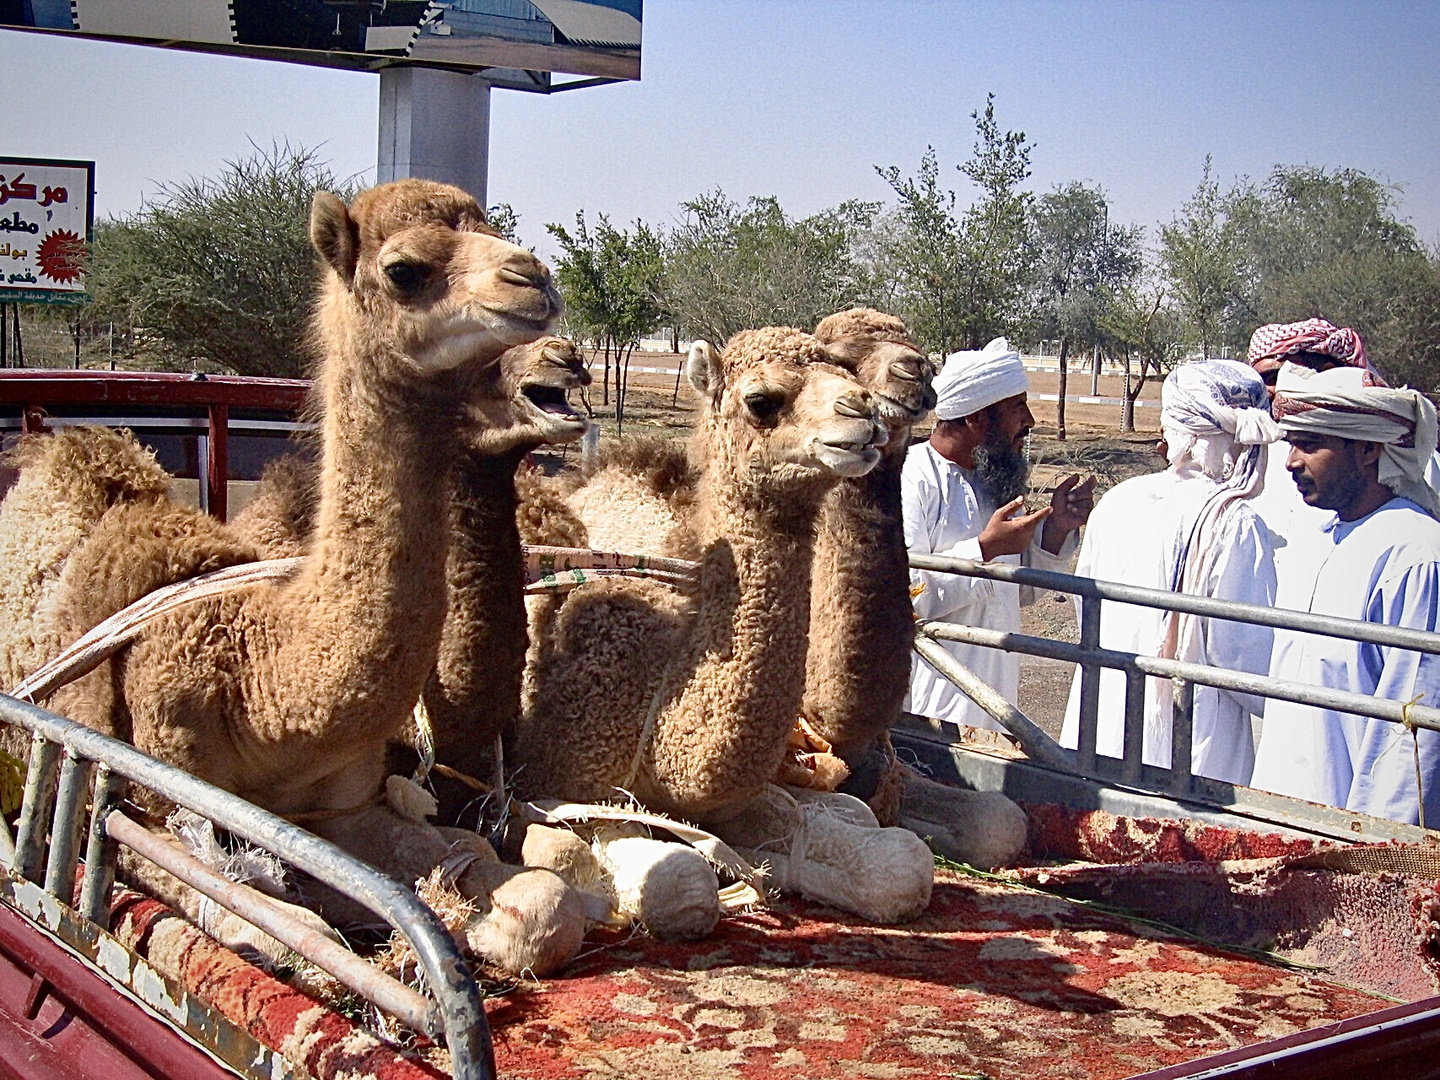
<point x="995" y="230"/>
<point x="730" y="267"/>
<point x="611" y="280"/>
<point x="1202" y="256"/>
<point x="963" y="276"/>
<point x="217" y="274"/>
<point x="1330" y="244"/>
<point x="1080" y="260"/>
<point x="1148" y="337"/>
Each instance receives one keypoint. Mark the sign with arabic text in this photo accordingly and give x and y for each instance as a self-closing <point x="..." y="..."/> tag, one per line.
<point x="46" y="220"/>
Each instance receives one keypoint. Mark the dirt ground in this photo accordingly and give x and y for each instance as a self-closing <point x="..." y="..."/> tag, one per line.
<point x="1094" y="444"/>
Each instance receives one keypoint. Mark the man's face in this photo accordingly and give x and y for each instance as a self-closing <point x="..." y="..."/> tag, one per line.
<point x="1269" y="368"/>
<point x="1330" y="472"/>
<point x="1001" y="467"/>
<point x="1008" y="422"/>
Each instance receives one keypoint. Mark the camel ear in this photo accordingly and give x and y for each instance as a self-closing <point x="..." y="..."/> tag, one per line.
<point x="702" y="368"/>
<point x="333" y="232"/>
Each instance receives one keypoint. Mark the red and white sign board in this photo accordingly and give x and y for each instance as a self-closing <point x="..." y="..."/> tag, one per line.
<point x="46" y="219"/>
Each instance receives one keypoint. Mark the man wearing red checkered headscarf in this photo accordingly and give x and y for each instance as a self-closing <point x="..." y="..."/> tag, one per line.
<point x="1315" y="343"/>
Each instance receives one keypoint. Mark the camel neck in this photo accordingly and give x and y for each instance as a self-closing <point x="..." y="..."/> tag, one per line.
<point x="372" y="595"/>
<point x="746" y="655"/>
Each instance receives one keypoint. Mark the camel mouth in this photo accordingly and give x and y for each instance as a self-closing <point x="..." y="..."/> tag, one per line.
<point x="906" y="409"/>
<point x="552" y="414"/>
<point x="849" y="457"/>
<point x="553" y="400"/>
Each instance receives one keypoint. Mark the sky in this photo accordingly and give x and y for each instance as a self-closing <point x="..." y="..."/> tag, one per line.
<point x="802" y="99"/>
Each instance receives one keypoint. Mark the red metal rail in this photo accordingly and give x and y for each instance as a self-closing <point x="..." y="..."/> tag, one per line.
<point x="33" y="391"/>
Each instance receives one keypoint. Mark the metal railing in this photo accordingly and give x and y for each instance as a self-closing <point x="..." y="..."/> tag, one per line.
<point x="1177" y="780"/>
<point x="53" y="826"/>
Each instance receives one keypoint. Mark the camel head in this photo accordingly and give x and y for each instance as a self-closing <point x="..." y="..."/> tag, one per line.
<point x="877" y="348"/>
<point x="416" y="272"/>
<point x="522" y="400"/>
<point x="774" y="407"/>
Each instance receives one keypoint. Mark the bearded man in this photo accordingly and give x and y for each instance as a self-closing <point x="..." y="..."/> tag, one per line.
<point x="961" y="492"/>
<point x="1359" y="452"/>
<point x="1189" y="529"/>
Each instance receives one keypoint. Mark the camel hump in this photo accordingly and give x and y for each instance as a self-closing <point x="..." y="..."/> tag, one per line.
<point x="93" y="465"/>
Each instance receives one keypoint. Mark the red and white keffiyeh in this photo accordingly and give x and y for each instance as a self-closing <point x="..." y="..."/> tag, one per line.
<point x="1279" y="340"/>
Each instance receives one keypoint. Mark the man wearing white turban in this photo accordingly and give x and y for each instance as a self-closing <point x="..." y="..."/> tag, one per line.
<point x="960" y="493"/>
<point x="1359" y="451"/>
<point x="1189" y="529"/>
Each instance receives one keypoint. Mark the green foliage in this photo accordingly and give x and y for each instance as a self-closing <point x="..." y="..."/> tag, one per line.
<point x="963" y="277"/>
<point x="216" y="274"/>
<point x="1325" y="243"/>
<point x="1080" y="261"/>
<point x="731" y="267"/>
<point x="1202" y="254"/>
<point x="611" y="282"/>
<point x="1148" y="335"/>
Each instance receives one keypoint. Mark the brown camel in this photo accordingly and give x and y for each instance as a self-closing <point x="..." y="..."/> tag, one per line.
<point x="862" y="625"/>
<point x="288" y="694"/>
<point x="703" y="695"/>
<point x="474" y="693"/>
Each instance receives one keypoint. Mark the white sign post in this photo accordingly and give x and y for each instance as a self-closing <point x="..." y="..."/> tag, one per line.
<point x="46" y="226"/>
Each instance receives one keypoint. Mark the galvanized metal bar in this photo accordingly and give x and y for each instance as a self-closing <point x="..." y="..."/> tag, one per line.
<point x="1182" y="732"/>
<point x="37" y="807"/>
<point x="65" y="833"/>
<point x="100" y="849"/>
<point x="1283" y="618"/>
<point x="1089" y="685"/>
<point x="417" y="1011"/>
<point x="1035" y="742"/>
<point x="7" y="845"/>
<point x="1134" y="746"/>
<point x="467" y="1034"/>
<point x="1395" y="712"/>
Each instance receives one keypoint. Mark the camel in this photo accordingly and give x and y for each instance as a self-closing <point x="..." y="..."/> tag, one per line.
<point x="688" y="703"/>
<point x="474" y="693"/>
<point x="287" y="694"/>
<point x="779" y="432"/>
<point x="861" y="622"/>
<point x="641" y="499"/>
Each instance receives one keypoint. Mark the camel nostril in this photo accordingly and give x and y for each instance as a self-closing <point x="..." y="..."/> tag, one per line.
<point x="855" y="405"/>
<point x="529" y="281"/>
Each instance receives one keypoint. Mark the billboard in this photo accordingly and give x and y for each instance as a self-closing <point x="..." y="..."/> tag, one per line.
<point x="46" y="217"/>
<point x="516" y="43"/>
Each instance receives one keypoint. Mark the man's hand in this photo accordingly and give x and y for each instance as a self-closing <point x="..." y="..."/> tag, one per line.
<point x="1007" y="535"/>
<point x="1070" y="508"/>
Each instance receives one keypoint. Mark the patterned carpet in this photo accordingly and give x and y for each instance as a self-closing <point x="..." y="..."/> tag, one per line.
<point x="994" y="981"/>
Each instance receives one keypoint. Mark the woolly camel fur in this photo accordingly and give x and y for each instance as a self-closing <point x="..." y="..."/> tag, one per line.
<point x="288" y="694"/>
<point x="474" y="693"/>
<point x="779" y="431"/>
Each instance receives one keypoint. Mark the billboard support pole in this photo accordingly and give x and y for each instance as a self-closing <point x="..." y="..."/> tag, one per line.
<point x="434" y="125"/>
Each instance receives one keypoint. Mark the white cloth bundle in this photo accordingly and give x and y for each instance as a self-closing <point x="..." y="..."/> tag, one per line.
<point x="1345" y="403"/>
<point x="971" y="381"/>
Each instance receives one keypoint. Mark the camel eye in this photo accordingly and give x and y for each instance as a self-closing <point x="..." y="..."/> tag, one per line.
<point x="406" y="277"/>
<point x="764" y="405"/>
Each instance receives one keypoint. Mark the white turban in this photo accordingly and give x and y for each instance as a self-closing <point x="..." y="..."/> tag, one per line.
<point x="1346" y="403"/>
<point x="1212" y="414"/>
<point x="1212" y="411"/>
<point x="971" y="381"/>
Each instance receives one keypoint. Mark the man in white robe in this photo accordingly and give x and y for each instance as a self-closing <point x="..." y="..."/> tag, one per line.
<point x="1359" y="451"/>
<point x="1188" y="529"/>
<point x="960" y="493"/>
<point x="1321" y="346"/>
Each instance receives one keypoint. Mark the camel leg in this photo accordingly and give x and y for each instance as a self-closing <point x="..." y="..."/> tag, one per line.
<point x="827" y="847"/>
<point x="221" y="924"/>
<point x="528" y="920"/>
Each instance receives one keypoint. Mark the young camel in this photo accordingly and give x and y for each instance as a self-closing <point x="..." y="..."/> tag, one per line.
<point x="862" y="622"/>
<point x="287" y="694"/>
